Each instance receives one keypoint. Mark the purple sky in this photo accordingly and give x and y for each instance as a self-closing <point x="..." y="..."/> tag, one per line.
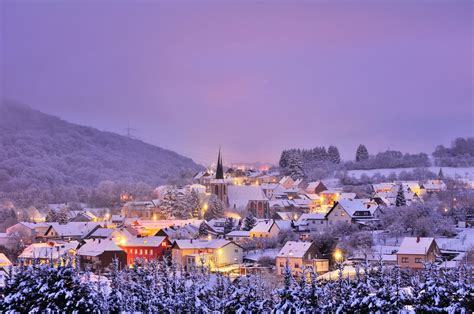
<point x="255" y="77"/>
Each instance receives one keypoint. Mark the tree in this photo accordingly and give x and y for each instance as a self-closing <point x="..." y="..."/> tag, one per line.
<point x="295" y="166"/>
<point x="215" y="208"/>
<point x="400" y="201"/>
<point x="168" y="203"/>
<point x="203" y="229"/>
<point x="249" y="222"/>
<point x="194" y="204"/>
<point x="362" y="153"/>
<point x="333" y="155"/>
<point x="228" y="225"/>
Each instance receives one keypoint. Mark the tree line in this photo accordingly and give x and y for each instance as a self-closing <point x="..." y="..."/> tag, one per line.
<point x="163" y="287"/>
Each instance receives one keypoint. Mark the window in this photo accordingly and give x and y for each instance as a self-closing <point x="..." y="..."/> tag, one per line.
<point x="418" y="260"/>
<point x="141" y="251"/>
<point x="236" y="250"/>
<point x="297" y="265"/>
<point x="404" y="259"/>
<point x="281" y="264"/>
<point x="146" y="252"/>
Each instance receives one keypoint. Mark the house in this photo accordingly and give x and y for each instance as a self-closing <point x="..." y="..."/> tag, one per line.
<point x="189" y="231"/>
<point x="71" y="230"/>
<point x="298" y="255"/>
<point x="28" y="232"/>
<point x="214" y="253"/>
<point x="315" y="187"/>
<point x="268" y="189"/>
<point x="352" y="210"/>
<point x="265" y="229"/>
<point x="48" y="251"/>
<point x="238" y="236"/>
<point x="434" y="186"/>
<point x="414" y="252"/>
<point x="286" y="182"/>
<point x="4" y="261"/>
<point x="203" y="178"/>
<point x="146" y="248"/>
<point x="141" y="209"/>
<point x="286" y="216"/>
<point x="312" y="222"/>
<point x="85" y="216"/>
<point x="98" y="254"/>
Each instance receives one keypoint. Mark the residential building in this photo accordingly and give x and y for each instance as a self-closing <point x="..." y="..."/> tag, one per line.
<point x="265" y="229"/>
<point x="352" y="210"/>
<point x="98" y="254"/>
<point x="315" y="187"/>
<point x="214" y="253"/>
<point x="414" y="252"/>
<point x="298" y="255"/>
<point x="71" y="230"/>
<point x="312" y="222"/>
<point x="49" y="251"/>
<point x="146" y="248"/>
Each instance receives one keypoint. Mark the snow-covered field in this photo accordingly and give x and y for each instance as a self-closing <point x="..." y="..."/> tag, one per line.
<point x="467" y="172"/>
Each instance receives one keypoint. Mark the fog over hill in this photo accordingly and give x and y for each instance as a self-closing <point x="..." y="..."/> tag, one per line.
<point x="46" y="159"/>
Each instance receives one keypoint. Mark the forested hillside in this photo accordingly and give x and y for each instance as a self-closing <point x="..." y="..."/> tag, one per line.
<point x="44" y="159"/>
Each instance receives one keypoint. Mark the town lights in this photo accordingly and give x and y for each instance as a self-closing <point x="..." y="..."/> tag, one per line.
<point x="338" y="255"/>
<point x="155" y="217"/>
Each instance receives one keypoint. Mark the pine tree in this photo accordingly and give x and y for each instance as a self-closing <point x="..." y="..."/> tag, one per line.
<point x="215" y="208"/>
<point x="194" y="204"/>
<point x="203" y="231"/>
<point x="362" y="153"/>
<point x="168" y="203"/>
<point x="400" y="201"/>
<point x="283" y="163"/>
<point x="295" y="166"/>
<point x="228" y="225"/>
<point x="51" y="216"/>
<point x="287" y="294"/>
<point x="115" y="298"/>
<point x="249" y="222"/>
<point x="333" y="155"/>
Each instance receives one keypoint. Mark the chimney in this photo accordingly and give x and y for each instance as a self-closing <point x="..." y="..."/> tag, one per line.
<point x="191" y="241"/>
<point x="417" y="239"/>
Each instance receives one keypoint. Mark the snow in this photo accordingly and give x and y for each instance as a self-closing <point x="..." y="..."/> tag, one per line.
<point x="255" y="255"/>
<point x="238" y="233"/>
<point x="240" y="195"/>
<point x="94" y="247"/>
<point x="351" y="206"/>
<point x="415" y="245"/>
<point x="48" y="250"/>
<point x="463" y="241"/>
<point x="144" y="241"/>
<point x="201" y="244"/>
<point x="72" y="229"/>
<point x="263" y="226"/>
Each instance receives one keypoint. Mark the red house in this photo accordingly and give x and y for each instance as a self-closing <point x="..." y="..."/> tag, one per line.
<point x="146" y="248"/>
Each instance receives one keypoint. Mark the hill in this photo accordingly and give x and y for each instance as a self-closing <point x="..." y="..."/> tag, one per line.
<point x="44" y="159"/>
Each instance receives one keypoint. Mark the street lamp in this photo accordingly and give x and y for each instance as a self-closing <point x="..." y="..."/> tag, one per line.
<point x="338" y="255"/>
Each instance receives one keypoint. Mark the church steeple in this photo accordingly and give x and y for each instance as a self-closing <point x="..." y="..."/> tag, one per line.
<point x="220" y="168"/>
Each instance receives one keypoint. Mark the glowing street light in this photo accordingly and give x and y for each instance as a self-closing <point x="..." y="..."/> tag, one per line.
<point x="338" y="255"/>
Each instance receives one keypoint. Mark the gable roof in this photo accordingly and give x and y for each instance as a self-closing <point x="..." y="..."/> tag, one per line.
<point x="412" y="245"/>
<point x="201" y="244"/>
<point x="352" y="206"/>
<point x="295" y="249"/>
<point x="264" y="226"/>
<point x="152" y="241"/>
<point x="94" y="247"/>
<point x="48" y="249"/>
<point x="74" y="229"/>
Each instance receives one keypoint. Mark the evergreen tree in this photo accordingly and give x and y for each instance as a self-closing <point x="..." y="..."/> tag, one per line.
<point x="287" y="294"/>
<point x="215" y="208"/>
<point x="283" y="163"/>
<point x="249" y="222"/>
<point x="115" y="298"/>
<point x="333" y="155"/>
<point x="195" y="204"/>
<point x="362" y="153"/>
<point x="228" y="225"/>
<point x="51" y="216"/>
<point x="203" y="231"/>
<point x="295" y="166"/>
<point x="168" y="203"/>
<point x="400" y="201"/>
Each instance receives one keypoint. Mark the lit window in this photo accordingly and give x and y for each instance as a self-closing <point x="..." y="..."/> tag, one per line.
<point x="418" y="260"/>
<point x="404" y="259"/>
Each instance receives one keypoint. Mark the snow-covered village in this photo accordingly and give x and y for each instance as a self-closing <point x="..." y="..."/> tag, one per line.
<point x="239" y="156"/>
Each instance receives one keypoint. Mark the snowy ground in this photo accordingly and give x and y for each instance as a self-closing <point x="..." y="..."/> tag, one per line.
<point x="467" y="172"/>
<point x="462" y="242"/>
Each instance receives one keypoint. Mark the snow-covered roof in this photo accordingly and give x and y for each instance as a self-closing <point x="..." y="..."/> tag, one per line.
<point x="4" y="261"/>
<point x="294" y="249"/>
<point x="238" y="233"/>
<point x="74" y="229"/>
<point x="434" y="185"/>
<point x="269" y="186"/>
<point x="152" y="241"/>
<point x="48" y="250"/>
<point x="386" y="186"/>
<point x="240" y="195"/>
<point x="286" y="215"/>
<point x="312" y="216"/>
<point x="313" y="185"/>
<point x="352" y="206"/>
<point x="312" y="197"/>
<point x="201" y="244"/>
<point x="283" y="224"/>
<point x="181" y="232"/>
<point x="94" y="247"/>
<point x="263" y="226"/>
<point x="415" y="245"/>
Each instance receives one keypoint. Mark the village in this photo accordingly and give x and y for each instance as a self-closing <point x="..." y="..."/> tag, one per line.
<point x="239" y="222"/>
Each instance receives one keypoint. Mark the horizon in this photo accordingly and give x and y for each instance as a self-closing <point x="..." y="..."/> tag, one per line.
<point x="250" y="77"/>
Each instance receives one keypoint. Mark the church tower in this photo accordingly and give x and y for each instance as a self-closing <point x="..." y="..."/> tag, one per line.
<point x="218" y="185"/>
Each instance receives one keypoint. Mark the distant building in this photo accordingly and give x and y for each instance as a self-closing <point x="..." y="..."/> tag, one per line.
<point x="414" y="252"/>
<point x="71" y="230"/>
<point x="145" y="248"/>
<point x="352" y="210"/>
<point x="315" y="187"/>
<point x="48" y="251"/>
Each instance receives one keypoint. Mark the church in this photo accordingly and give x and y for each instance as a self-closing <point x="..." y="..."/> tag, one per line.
<point x="239" y="197"/>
